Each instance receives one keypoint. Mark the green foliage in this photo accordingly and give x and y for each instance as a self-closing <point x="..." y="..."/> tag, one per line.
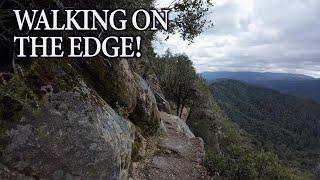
<point x="177" y="77"/>
<point x="17" y="90"/>
<point x="230" y="153"/>
<point x="10" y="112"/>
<point x="191" y="21"/>
<point x="286" y="125"/>
<point x="248" y="164"/>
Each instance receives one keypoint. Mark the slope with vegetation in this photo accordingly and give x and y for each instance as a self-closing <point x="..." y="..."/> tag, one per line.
<point x="286" y="125"/>
<point x="230" y="152"/>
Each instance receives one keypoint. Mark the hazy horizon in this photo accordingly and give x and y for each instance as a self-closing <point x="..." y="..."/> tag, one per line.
<point x="256" y="72"/>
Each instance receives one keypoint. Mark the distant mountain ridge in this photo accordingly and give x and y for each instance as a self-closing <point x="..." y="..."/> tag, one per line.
<point x="254" y="76"/>
<point x="309" y="89"/>
<point x="292" y="84"/>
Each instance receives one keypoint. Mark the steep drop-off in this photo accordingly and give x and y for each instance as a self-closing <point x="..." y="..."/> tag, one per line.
<point x="286" y="125"/>
<point x="230" y="150"/>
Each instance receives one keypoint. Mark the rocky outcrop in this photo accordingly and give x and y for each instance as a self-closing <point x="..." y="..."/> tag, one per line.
<point x="92" y="120"/>
<point x="126" y="92"/>
<point x="145" y="114"/>
<point x="179" y="154"/>
<point x="145" y="69"/>
<point x="74" y="134"/>
<point x="56" y="122"/>
<point x="162" y="103"/>
<point x="113" y="80"/>
<point x="177" y="124"/>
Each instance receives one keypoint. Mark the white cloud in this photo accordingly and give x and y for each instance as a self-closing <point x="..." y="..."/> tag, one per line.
<point x="257" y="35"/>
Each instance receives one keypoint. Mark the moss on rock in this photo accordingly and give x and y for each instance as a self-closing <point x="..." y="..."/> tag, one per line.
<point x="10" y="112"/>
<point x="138" y="146"/>
<point x="145" y="114"/>
<point x="113" y="80"/>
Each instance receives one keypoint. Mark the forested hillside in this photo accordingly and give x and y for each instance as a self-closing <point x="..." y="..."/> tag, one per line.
<point x="230" y="152"/>
<point x="309" y="89"/>
<point x="286" y="125"/>
<point x="292" y="84"/>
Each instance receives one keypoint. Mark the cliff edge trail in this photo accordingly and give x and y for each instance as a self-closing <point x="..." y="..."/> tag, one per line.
<point x="178" y="155"/>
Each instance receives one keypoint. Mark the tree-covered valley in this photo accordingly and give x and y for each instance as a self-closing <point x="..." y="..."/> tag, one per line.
<point x="286" y="125"/>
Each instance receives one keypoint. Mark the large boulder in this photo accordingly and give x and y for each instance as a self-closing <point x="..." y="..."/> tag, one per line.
<point x="56" y="122"/>
<point x="145" y="69"/>
<point x="125" y="91"/>
<point x="70" y="137"/>
<point x="72" y="134"/>
<point x="113" y="80"/>
<point x="176" y="123"/>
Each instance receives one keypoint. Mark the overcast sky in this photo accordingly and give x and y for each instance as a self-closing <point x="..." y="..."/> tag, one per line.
<point x="256" y="35"/>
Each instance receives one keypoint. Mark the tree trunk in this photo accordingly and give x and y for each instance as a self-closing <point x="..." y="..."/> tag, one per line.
<point x="181" y="110"/>
<point x="189" y="114"/>
<point x="178" y="109"/>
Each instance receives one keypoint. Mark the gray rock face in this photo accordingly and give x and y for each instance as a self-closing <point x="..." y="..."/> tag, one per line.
<point x="126" y="92"/>
<point x="180" y="155"/>
<point x="176" y="123"/>
<point x="7" y="174"/>
<point x="69" y="131"/>
<point x="75" y="135"/>
<point x="115" y="82"/>
<point x="162" y="103"/>
<point x="146" y="114"/>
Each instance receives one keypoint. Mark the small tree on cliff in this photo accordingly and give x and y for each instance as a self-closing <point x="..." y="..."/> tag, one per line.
<point x="177" y="77"/>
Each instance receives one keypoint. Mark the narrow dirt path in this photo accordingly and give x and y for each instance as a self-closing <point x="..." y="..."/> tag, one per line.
<point x="179" y="154"/>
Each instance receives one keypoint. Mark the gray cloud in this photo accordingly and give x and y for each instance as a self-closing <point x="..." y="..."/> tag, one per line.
<point x="257" y="35"/>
